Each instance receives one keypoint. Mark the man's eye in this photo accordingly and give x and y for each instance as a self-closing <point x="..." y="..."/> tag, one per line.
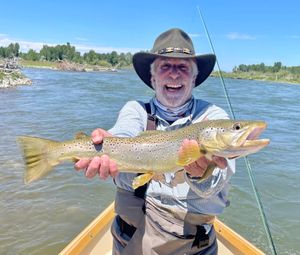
<point x="183" y="68"/>
<point x="165" y="67"/>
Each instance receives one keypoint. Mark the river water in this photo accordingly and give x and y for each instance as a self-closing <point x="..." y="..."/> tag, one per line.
<point x="41" y="218"/>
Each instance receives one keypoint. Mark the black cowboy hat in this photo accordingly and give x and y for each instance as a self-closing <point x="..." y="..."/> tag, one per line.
<point x="173" y="43"/>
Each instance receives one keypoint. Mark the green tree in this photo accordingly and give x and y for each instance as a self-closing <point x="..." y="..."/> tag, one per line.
<point x="45" y="52"/>
<point x="90" y="57"/>
<point x="3" y="52"/>
<point x="243" y="68"/>
<point x="276" y="67"/>
<point x="262" y="67"/>
<point x="32" y="55"/>
<point x="114" y="58"/>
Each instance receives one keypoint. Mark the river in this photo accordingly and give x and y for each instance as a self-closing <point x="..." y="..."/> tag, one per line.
<point x="41" y="218"/>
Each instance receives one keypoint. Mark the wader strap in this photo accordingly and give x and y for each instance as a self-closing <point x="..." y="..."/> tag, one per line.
<point x="201" y="238"/>
<point x="151" y="125"/>
<point x="151" y="121"/>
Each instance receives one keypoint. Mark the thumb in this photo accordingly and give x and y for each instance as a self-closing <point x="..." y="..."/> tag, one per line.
<point x="98" y="135"/>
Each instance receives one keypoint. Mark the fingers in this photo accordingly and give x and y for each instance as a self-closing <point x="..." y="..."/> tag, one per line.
<point x="113" y="168"/>
<point x="103" y="166"/>
<point x="220" y="162"/>
<point x="187" y="143"/>
<point x="197" y="168"/>
<point x="98" y="135"/>
<point x="93" y="167"/>
<point x="82" y="164"/>
<point x="202" y="162"/>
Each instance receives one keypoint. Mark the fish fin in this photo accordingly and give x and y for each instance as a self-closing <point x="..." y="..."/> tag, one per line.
<point x="142" y="179"/>
<point x="188" y="155"/>
<point x="37" y="156"/>
<point x="210" y="168"/>
<point x="75" y="159"/>
<point x="150" y="132"/>
<point x="81" y="135"/>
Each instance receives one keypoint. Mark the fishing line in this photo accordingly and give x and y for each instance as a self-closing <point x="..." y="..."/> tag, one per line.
<point x="250" y="173"/>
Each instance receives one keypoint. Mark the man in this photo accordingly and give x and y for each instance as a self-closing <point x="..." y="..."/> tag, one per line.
<point x="174" y="213"/>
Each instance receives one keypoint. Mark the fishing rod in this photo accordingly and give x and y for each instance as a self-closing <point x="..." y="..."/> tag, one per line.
<point x="250" y="173"/>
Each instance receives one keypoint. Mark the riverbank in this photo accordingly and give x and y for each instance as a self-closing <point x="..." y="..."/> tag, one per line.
<point x="280" y="77"/>
<point x="67" y="66"/>
<point x="11" y="75"/>
<point x="13" y="78"/>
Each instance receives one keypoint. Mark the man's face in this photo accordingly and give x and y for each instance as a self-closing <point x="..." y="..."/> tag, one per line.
<point x="173" y="80"/>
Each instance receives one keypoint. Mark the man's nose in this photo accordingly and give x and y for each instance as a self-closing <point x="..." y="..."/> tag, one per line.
<point x="174" y="72"/>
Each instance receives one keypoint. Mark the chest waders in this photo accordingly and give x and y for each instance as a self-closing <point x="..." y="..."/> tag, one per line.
<point x="200" y="239"/>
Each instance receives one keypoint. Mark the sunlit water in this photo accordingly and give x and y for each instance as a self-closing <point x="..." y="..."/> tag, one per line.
<point x="41" y="218"/>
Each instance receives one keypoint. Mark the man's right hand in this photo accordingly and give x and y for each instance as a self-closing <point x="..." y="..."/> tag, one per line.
<point x="103" y="165"/>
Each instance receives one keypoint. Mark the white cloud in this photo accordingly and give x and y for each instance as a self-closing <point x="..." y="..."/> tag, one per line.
<point x="238" y="36"/>
<point x="3" y="35"/>
<point x="85" y="48"/>
<point x="5" y="40"/>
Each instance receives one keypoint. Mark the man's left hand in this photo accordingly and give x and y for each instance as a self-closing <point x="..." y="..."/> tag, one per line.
<point x="198" y="168"/>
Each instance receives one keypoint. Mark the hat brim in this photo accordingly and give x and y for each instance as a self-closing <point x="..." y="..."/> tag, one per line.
<point x="142" y="61"/>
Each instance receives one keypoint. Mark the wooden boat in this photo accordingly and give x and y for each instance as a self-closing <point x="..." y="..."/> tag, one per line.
<point x="96" y="239"/>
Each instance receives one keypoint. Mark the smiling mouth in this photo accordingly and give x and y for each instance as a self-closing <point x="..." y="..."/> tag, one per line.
<point x="174" y="87"/>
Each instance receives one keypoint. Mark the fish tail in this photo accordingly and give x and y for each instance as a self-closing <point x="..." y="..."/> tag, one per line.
<point x="38" y="157"/>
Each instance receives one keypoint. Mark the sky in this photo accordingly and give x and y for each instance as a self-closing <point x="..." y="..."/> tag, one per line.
<point x="242" y="32"/>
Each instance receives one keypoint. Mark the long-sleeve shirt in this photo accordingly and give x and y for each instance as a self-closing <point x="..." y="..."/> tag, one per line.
<point x="177" y="190"/>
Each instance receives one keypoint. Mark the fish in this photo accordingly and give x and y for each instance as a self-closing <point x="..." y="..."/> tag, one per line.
<point x="149" y="153"/>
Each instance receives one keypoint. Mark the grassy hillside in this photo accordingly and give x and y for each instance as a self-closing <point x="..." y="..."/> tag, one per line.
<point x="281" y="76"/>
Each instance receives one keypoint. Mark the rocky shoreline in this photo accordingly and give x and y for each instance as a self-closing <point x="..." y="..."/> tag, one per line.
<point x="65" y="65"/>
<point x="11" y="75"/>
<point x="13" y="78"/>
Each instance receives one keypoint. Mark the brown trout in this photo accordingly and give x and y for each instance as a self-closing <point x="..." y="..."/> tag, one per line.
<point x="151" y="152"/>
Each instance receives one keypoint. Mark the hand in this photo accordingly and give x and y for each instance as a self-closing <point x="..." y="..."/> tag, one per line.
<point x="102" y="165"/>
<point x="199" y="167"/>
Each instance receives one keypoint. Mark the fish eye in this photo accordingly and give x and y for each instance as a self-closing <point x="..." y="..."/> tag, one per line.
<point x="237" y="126"/>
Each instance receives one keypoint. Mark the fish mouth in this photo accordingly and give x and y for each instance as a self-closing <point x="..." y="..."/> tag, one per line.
<point x="251" y="137"/>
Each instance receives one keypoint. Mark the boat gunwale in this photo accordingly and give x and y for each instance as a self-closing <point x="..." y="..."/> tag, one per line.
<point x="84" y="238"/>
